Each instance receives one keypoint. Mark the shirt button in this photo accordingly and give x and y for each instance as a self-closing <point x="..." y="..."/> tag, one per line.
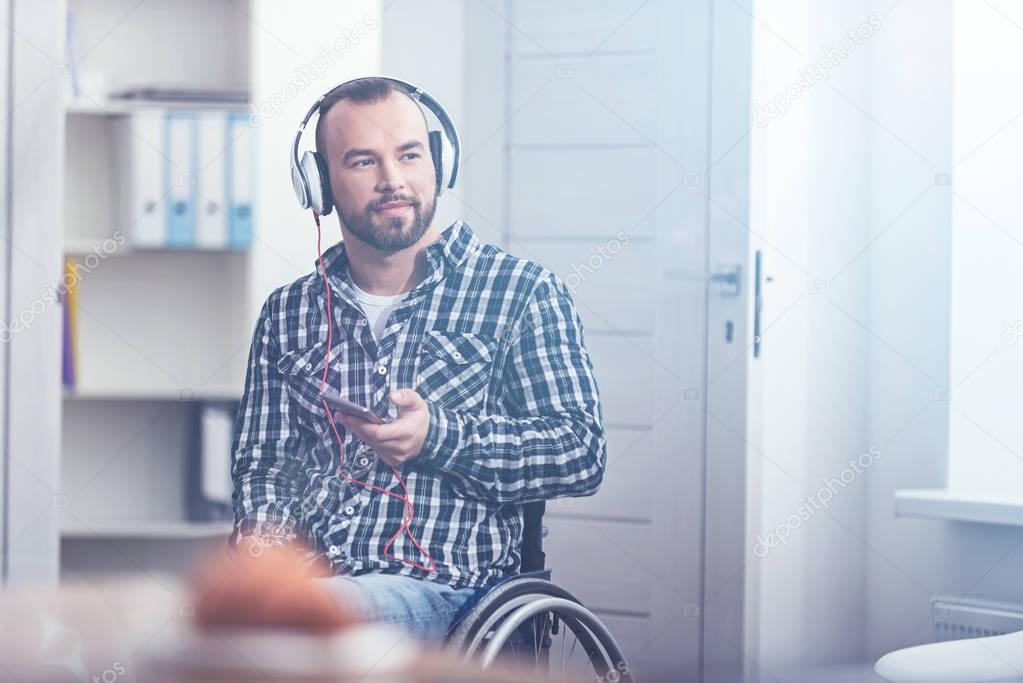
<point x="349" y="510"/>
<point x="363" y="461"/>
<point x="382" y="369"/>
<point x="456" y="355"/>
<point x="334" y="550"/>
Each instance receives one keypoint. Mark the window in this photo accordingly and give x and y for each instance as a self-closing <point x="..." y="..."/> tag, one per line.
<point x="986" y="346"/>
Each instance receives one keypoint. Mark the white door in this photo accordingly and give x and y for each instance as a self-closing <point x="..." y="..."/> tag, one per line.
<point x="590" y="148"/>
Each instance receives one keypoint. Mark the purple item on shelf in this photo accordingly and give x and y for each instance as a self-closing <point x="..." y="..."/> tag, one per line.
<point x="68" y="371"/>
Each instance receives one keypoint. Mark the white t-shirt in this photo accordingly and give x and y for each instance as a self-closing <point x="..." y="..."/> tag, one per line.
<point x="378" y="308"/>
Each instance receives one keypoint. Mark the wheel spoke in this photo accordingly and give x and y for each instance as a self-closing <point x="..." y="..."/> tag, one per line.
<point x="564" y="637"/>
<point x="539" y="638"/>
<point x="515" y="647"/>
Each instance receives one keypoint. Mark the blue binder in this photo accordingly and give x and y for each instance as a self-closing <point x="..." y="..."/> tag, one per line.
<point x="239" y="180"/>
<point x="180" y="143"/>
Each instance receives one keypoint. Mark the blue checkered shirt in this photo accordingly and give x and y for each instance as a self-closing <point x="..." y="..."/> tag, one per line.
<point x="494" y="345"/>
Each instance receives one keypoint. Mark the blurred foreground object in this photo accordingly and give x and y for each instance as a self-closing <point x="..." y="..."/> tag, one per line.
<point x="266" y="585"/>
<point x="255" y="616"/>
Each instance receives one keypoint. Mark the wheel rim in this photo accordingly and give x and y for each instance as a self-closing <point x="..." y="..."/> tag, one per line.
<point x="576" y="619"/>
<point x="507" y="608"/>
<point x="465" y="633"/>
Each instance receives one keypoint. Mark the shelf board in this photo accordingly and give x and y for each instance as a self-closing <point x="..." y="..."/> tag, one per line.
<point x="959" y="506"/>
<point x="207" y="393"/>
<point x="82" y="246"/>
<point x="90" y="108"/>
<point x="84" y="107"/>
<point x="146" y="529"/>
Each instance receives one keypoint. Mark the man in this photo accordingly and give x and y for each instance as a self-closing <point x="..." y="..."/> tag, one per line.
<point x="476" y="355"/>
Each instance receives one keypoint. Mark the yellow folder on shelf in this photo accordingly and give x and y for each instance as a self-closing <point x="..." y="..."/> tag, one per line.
<point x="70" y="354"/>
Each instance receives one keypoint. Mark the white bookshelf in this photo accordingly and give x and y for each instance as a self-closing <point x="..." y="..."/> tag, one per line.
<point x="159" y="330"/>
<point x="162" y="330"/>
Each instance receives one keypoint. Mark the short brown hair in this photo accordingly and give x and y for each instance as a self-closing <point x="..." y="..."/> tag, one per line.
<point x="361" y="91"/>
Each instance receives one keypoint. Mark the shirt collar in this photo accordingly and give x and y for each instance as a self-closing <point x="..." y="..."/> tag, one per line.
<point x="456" y="242"/>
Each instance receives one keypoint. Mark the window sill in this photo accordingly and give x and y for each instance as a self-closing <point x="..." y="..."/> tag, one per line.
<point x="959" y="506"/>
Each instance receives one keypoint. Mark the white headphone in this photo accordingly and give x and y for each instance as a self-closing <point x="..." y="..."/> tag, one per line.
<point x="309" y="174"/>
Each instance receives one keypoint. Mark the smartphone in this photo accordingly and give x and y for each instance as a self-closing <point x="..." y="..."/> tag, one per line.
<point x="345" y="406"/>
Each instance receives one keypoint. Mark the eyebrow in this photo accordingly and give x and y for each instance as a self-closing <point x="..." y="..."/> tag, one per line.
<point x="356" y="152"/>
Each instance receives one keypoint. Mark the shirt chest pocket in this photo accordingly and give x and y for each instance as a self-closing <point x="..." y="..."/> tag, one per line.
<point x="302" y="371"/>
<point x="455" y="368"/>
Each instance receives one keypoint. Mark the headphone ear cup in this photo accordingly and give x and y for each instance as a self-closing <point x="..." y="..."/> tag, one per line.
<point x="437" y="154"/>
<point x="449" y="161"/>
<point x="300" y="185"/>
<point x="314" y="183"/>
<point x="327" y="196"/>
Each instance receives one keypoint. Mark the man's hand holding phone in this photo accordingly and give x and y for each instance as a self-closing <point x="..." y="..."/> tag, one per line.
<point x="400" y="440"/>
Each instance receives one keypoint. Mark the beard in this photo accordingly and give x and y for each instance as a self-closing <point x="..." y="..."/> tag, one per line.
<point x="389" y="233"/>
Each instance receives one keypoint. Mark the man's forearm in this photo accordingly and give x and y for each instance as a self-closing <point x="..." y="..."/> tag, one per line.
<point x="275" y="523"/>
<point x="267" y="495"/>
<point x="518" y="459"/>
<point x="267" y="448"/>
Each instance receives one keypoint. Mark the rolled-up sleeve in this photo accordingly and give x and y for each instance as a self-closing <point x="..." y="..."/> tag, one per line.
<point x="550" y="443"/>
<point x="268" y="448"/>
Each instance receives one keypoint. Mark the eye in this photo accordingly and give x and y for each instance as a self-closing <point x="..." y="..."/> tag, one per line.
<point x="360" y="161"/>
<point x="414" y="155"/>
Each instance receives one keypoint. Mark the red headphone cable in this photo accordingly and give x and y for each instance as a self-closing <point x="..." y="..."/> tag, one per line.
<point x="408" y="510"/>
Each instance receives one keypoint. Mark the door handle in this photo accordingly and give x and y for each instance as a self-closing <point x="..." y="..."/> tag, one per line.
<point x="728" y="279"/>
<point x="758" y="300"/>
<point x="727" y="276"/>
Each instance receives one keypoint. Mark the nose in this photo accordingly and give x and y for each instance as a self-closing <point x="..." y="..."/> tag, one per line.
<point x="391" y="179"/>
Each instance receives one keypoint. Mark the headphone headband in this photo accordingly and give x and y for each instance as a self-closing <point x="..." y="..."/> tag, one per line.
<point x="311" y="194"/>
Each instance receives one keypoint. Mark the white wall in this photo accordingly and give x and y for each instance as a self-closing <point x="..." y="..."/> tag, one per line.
<point x="443" y="74"/>
<point x="299" y="51"/>
<point x="32" y="446"/>
<point x="857" y="165"/>
<point x="913" y="559"/>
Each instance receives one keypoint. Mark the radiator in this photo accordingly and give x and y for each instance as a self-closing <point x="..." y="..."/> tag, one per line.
<point x="956" y="618"/>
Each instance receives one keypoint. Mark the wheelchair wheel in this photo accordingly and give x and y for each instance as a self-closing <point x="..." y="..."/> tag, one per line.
<point x="537" y="627"/>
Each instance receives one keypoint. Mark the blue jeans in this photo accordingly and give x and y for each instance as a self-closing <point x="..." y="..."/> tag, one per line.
<point x="423" y="608"/>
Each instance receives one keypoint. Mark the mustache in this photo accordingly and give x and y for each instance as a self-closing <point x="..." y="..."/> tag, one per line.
<point x="394" y="198"/>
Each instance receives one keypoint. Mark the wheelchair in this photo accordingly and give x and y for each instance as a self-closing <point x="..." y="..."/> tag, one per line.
<point x="516" y="621"/>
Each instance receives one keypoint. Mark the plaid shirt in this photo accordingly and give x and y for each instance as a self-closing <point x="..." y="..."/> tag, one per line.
<point x="494" y="345"/>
